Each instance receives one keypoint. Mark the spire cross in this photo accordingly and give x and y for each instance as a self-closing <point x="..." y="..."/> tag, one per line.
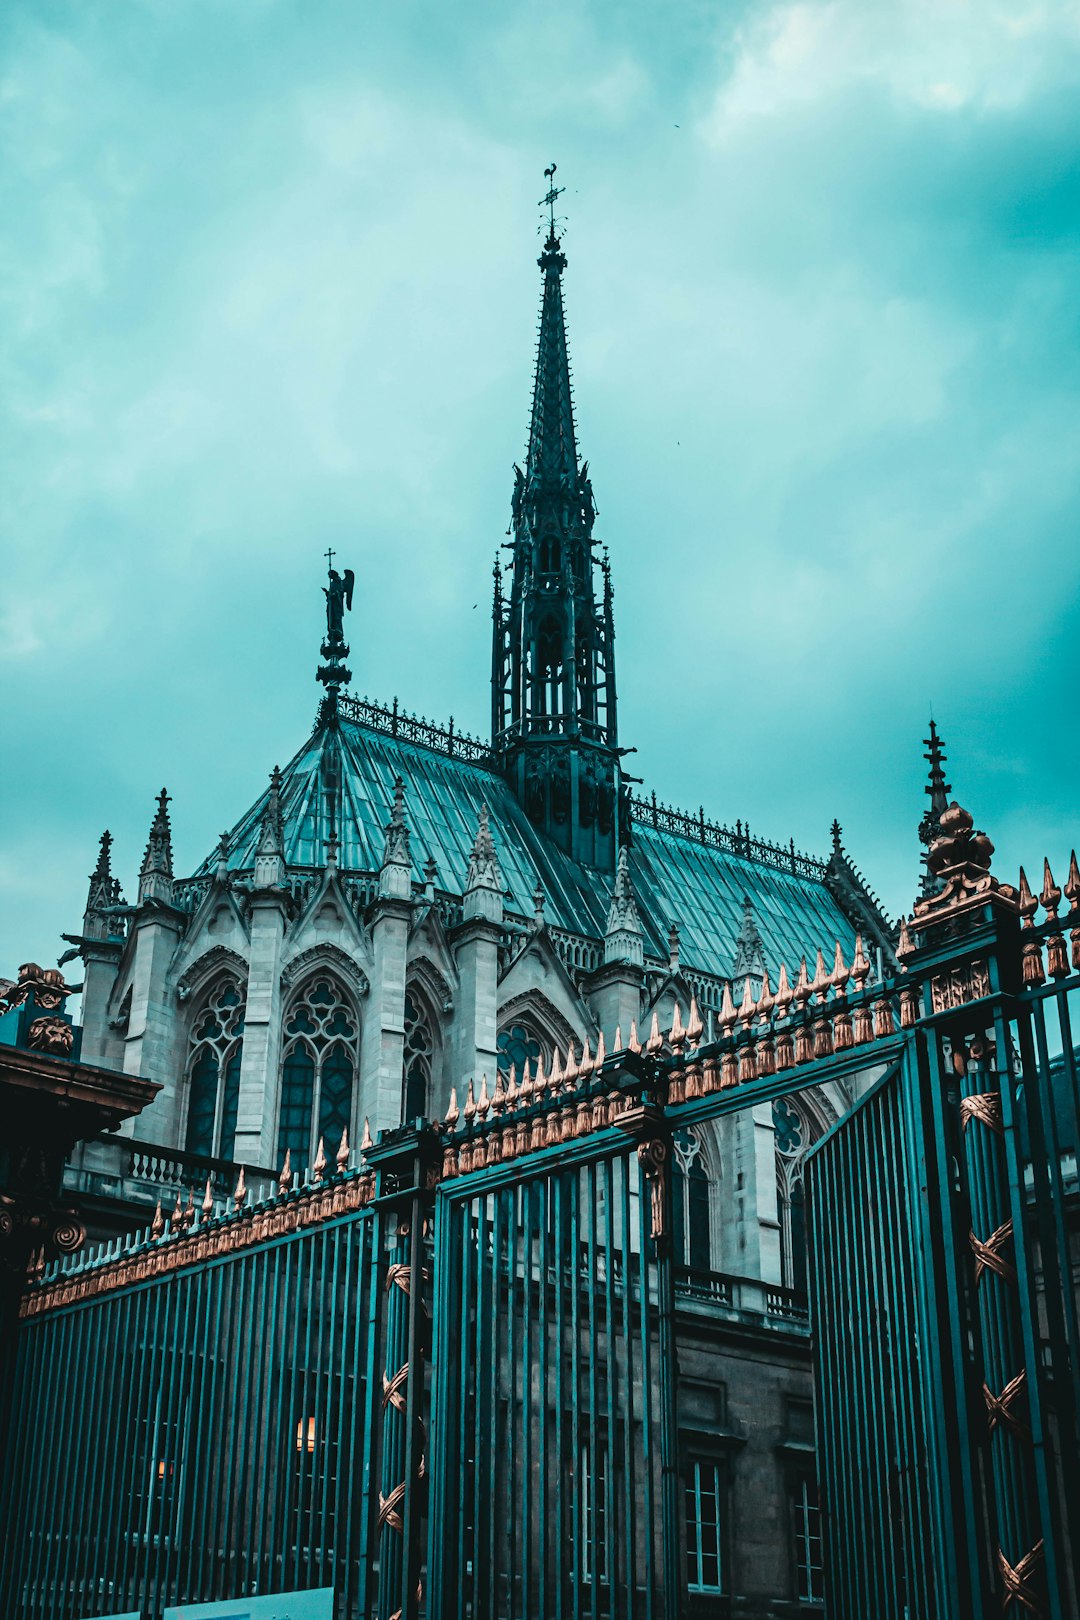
<point x="329" y="559"/>
<point x="554" y="192"/>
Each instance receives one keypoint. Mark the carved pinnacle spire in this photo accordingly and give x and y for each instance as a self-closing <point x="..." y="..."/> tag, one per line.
<point x="104" y="891"/>
<point x="270" y="852"/>
<point x="749" y="945"/>
<point x="623" y="935"/>
<point x="396" y="848"/>
<point x="156" y="874"/>
<point x="483" y="862"/>
<point x="937" y="790"/>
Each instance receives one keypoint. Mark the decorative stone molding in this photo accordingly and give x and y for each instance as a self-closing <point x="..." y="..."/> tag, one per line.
<point x="205" y="966"/>
<point x="433" y="982"/>
<point x="333" y="959"/>
<point x="533" y="1006"/>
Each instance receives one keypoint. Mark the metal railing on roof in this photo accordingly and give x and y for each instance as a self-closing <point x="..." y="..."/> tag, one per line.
<point x="734" y="840"/>
<point x="394" y="722"/>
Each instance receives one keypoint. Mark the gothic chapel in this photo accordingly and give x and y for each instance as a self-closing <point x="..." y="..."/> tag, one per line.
<point x="408" y="918"/>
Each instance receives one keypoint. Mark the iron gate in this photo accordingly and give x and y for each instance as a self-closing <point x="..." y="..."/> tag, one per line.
<point x="502" y="1286"/>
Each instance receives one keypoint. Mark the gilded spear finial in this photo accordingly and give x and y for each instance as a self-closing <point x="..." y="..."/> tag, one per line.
<point x="570" y="1073"/>
<point x="617" y="1042"/>
<point x="512" y="1087"/>
<point x="694" y="1026"/>
<point x="240" y="1190"/>
<point x="366" y="1141"/>
<point x="284" y="1180"/>
<point x="342" y="1156"/>
<point x="208" y="1200"/>
<point x="677" y="1035"/>
<point x="319" y="1167"/>
<point x="655" y="1043"/>
<point x="483" y="1102"/>
<point x="470" y="1104"/>
<point x="601" y="1054"/>
<point x="452" y="1113"/>
<point x="633" y="1044"/>
<point x="1050" y="898"/>
<point x="157" y="1225"/>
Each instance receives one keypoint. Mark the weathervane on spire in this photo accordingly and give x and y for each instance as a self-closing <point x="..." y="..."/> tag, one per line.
<point x="554" y="192"/>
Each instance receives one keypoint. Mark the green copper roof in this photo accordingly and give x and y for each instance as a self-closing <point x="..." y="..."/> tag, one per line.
<point x="676" y="879"/>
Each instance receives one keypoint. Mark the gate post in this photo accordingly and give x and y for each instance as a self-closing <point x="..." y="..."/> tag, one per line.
<point x="969" y="952"/>
<point x="647" y="1124"/>
<point x="404" y="1163"/>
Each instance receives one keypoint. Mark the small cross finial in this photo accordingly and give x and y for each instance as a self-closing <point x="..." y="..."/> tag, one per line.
<point x="554" y="192"/>
<point x="329" y="558"/>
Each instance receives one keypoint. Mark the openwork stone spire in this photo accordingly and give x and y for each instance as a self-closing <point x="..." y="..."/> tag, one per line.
<point x="937" y="790"/>
<point x="156" y="873"/>
<point x="553" y="677"/>
<point x="749" y="945"/>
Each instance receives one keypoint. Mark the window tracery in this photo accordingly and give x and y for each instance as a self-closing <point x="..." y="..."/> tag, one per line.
<point x="214" y="1057"/>
<point x="418" y="1057"/>
<point x="690" y="1184"/>
<point x="795" y="1133"/>
<point x="516" y="1044"/>
<point x="318" y="1070"/>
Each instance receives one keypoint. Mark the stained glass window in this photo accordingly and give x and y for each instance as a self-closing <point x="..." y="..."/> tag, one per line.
<point x="318" y="1072"/>
<point x="515" y="1045"/>
<point x="217" y="1042"/>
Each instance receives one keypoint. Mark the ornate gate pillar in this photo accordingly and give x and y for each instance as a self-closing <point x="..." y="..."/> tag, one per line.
<point x="405" y="1164"/>
<point x="969" y="954"/>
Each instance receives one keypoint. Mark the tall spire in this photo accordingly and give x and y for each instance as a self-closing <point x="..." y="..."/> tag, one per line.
<point x="333" y="674"/>
<point x="156" y="873"/>
<point x="553" y="680"/>
<point x="937" y="791"/>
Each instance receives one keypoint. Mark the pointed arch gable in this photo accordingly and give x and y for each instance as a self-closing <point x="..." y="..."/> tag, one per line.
<point x="195" y="978"/>
<point x="329" y="957"/>
<point x="532" y="1007"/>
<point x="433" y="984"/>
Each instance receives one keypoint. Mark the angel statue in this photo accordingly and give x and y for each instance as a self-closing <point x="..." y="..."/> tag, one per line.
<point x="338" y="597"/>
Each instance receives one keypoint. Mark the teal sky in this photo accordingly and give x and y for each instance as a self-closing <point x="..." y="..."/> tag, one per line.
<point x="268" y="284"/>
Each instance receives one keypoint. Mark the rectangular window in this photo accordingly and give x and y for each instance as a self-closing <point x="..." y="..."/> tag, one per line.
<point x="703" y="1525"/>
<point x="594" y="1513"/>
<point x="806" y="1521"/>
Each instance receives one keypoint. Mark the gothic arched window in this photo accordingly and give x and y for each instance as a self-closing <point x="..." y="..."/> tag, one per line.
<point x="419" y="1050"/>
<point x="796" y="1131"/>
<point x="216" y="1049"/>
<point x="692" y="1238"/>
<point x="318" y="1071"/>
<point x="517" y="1044"/>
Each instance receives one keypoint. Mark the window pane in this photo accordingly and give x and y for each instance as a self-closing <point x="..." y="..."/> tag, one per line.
<point x="297" y="1094"/>
<point x="703" y="1538"/>
<point x="202" y="1102"/>
<point x="335" y="1096"/>
<point x="230" y="1103"/>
